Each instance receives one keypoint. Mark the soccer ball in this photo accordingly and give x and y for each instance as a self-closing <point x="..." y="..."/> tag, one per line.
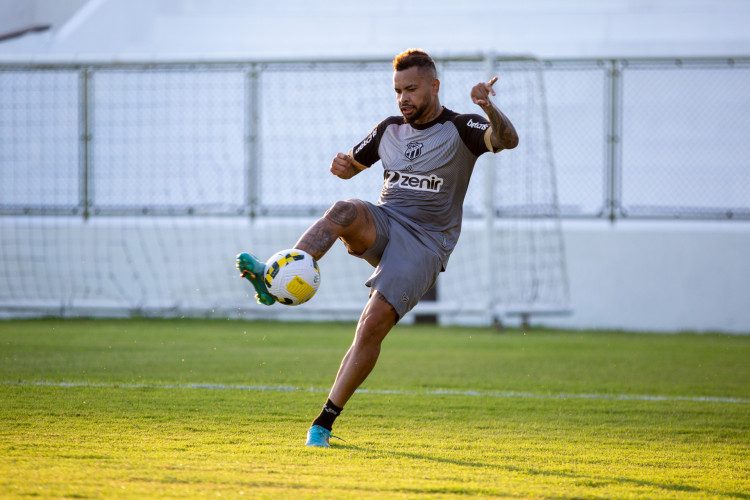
<point x="292" y="276"/>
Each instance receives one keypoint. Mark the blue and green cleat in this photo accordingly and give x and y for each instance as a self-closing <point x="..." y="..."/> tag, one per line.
<point x="252" y="270"/>
<point x="319" y="436"/>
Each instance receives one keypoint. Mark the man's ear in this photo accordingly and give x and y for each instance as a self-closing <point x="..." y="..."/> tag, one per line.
<point x="435" y="86"/>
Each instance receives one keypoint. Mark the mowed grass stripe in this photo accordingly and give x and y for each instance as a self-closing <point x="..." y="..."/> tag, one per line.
<point x="413" y="358"/>
<point x="490" y="394"/>
<point x="114" y="442"/>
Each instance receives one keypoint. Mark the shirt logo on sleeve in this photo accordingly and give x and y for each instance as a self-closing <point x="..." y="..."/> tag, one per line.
<point x="477" y="125"/>
<point x="367" y="141"/>
<point x="415" y="182"/>
<point x="413" y="150"/>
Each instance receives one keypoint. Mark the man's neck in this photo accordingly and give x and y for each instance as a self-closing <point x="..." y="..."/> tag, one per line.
<point x="432" y="116"/>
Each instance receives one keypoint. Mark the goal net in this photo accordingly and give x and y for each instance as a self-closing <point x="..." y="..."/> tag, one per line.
<point x="129" y="189"/>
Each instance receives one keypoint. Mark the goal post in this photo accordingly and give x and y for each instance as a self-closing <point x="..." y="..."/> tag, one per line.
<point x="129" y="188"/>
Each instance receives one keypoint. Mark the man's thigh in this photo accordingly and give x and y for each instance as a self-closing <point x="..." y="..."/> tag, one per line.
<point x="406" y="270"/>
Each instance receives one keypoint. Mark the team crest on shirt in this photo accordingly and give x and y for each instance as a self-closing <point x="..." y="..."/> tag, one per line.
<point x="413" y="150"/>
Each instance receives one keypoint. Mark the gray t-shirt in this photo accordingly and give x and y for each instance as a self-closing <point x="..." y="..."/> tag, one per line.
<point x="426" y="172"/>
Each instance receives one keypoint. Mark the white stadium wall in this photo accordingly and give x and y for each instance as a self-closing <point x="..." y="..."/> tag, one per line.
<point x="156" y="29"/>
<point x="645" y="275"/>
<point x="635" y="276"/>
<point x="658" y="276"/>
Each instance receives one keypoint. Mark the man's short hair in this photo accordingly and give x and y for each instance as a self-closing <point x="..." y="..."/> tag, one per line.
<point x="415" y="57"/>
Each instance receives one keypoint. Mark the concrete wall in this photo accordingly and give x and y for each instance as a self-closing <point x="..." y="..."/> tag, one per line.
<point x="658" y="276"/>
<point x="635" y="276"/>
<point x="17" y="14"/>
<point x="113" y="29"/>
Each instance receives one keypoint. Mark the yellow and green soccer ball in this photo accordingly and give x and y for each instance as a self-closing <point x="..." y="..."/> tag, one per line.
<point x="292" y="276"/>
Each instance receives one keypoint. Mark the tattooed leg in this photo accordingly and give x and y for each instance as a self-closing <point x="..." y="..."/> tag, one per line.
<point x="345" y="219"/>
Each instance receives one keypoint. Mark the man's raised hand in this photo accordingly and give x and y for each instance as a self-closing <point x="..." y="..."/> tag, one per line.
<point x="480" y="93"/>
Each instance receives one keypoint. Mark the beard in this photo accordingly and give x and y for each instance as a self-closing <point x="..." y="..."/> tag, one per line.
<point x="416" y="115"/>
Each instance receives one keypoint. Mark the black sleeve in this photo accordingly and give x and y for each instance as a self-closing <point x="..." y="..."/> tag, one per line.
<point x="365" y="153"/>
<point x="474" y="131"/>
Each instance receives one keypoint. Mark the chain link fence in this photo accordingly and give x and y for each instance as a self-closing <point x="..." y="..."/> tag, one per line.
<point x="133" y="186"/>
<point x="684" y="148"/>
<point x="643" y="138"/>
<point x="651" y="138"/>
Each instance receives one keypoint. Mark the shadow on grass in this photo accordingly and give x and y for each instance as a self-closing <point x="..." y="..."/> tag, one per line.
<point x="581" y="480"/>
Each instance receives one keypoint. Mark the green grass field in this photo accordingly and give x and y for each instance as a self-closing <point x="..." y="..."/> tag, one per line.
<point x="209" y="408"/>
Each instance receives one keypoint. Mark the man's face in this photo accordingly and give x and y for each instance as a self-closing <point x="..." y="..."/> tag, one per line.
<point x="415" y="94"/>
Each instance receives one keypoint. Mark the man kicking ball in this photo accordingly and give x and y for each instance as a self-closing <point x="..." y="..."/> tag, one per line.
<point x="428" y="154"/>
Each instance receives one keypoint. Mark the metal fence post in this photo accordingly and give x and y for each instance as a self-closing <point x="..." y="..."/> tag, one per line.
<point x="252" y="141"/>
<point x="489" y="212"/>
<point x="613" y="166"/>
<point x="85" y="141"/>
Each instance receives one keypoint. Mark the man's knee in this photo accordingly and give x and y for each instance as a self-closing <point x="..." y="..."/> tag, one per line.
<point x="351" y="222"/>
<point x="342" y="213"/>
<point x="378" y="318"/>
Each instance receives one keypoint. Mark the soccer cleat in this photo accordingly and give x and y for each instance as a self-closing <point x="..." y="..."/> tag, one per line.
<point x="252" y="270"/>
<point x="319" y="436"/>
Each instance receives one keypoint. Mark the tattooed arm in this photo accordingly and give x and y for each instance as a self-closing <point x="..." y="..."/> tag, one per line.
<point x="504" y="134"/>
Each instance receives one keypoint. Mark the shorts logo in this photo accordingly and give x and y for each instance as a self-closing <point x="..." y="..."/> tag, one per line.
<point x="415" y="182"/>
<point x="404" y="298"/>
<point x="413" y="150"/>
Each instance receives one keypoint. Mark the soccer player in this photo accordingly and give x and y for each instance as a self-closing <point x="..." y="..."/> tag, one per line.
<point x="427" y="155"/>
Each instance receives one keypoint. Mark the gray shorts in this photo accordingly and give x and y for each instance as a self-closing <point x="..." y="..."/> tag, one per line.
<point x="405" y="269"/>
